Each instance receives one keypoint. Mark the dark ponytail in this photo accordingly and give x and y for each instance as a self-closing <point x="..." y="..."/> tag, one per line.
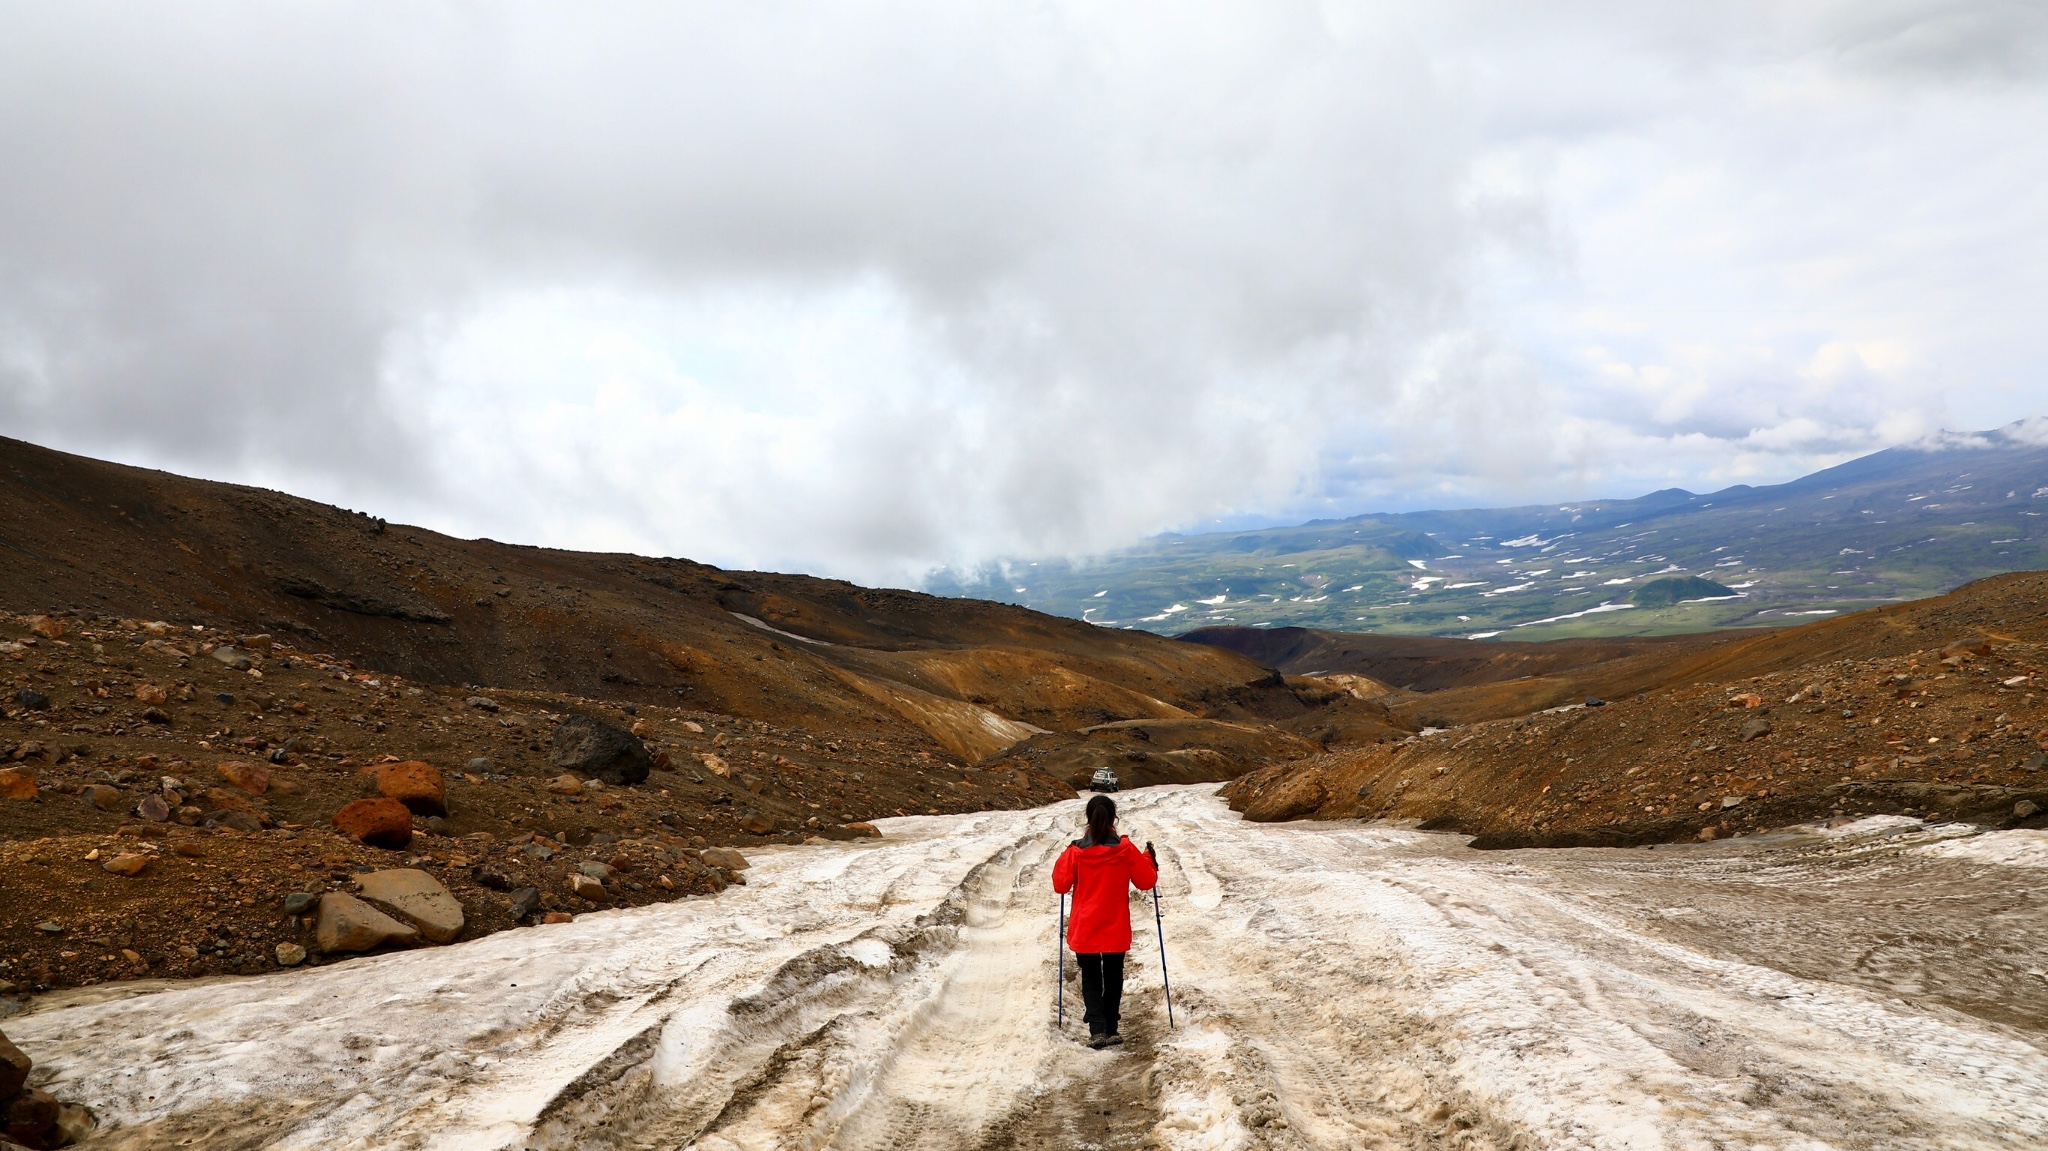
<point x="1102" y="822"/>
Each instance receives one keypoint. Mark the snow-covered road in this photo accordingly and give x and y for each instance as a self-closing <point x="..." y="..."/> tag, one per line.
<point x="1337" y="986"/>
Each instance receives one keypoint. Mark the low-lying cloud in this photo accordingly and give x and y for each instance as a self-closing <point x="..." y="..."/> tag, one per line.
<point x="867" y="291"/>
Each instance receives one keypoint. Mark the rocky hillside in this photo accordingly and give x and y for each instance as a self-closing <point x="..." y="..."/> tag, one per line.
<point x="234" y="720"/>
<point x="1931" y="708"/>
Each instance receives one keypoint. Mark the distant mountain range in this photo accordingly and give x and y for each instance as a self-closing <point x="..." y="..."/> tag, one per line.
<point x="1906" y="522"/>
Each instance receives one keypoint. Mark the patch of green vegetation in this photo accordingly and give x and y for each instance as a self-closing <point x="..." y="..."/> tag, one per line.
<point x="1672" y="589"/>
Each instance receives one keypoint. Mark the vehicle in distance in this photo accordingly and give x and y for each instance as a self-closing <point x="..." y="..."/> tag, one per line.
<point x="1103" y="780"/>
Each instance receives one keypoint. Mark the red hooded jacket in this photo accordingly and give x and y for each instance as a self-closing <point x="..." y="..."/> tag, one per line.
<point x="1101" y="878"/>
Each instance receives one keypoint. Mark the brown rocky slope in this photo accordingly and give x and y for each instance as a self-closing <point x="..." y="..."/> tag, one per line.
<point x="1930" y="708"/>
<point x="199" y="678"/>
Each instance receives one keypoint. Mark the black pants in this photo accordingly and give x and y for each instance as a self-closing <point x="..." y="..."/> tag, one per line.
<point x="1102" y="989"/>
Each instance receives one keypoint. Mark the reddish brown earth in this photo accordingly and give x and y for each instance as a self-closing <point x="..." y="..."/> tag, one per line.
<point x="1928" y="708"/>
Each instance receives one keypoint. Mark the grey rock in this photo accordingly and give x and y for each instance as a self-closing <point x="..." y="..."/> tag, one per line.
<point x="223" y="698"/>
<point x="595" y="749"/>
<point x="491" y="878"/>
<point x="32" y="699"/>
<point x="725" y="858"/>
<point x="2025" y="809"/>
<point x="104" y="797"/>
<point x="1728" y="801"/>
<point x="2036" y="762"/>
<point x="482" y="703"/>
<point x="232" y="820"/>
<point x="525" y="901"/>
<point x="1756" y="729"/>
<point x="595" y="870"/>
<point x="290" y="955"/>
<point x="1595" y="701"/>
<point x="540" y="852"/>
<point x="481" y="765"/>
<point x="234" y="658"/>
<point x="154" y="808"/>
<point x="348" y="924"/>
<point x="415" y="897"/>
<point x="300" y="902"/>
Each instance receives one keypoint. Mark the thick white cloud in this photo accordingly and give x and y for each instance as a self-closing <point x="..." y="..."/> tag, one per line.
<point x="863" y="290"/>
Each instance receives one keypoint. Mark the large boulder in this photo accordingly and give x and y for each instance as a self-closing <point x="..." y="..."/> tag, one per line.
<point x="346" y="923"/>
<point x="416" y="784"/>
<point x="417" y="898"/>
<point x="28" y="1116"/>
<point x="14" y="1068"/>
<point x="590" y="747"/>
<point x="379" y="822"/>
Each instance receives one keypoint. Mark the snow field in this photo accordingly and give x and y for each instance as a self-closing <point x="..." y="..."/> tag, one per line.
<point x="1337" y="986"/>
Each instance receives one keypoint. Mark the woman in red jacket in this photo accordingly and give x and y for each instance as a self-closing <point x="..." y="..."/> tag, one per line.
<point x="1100" y="870"/>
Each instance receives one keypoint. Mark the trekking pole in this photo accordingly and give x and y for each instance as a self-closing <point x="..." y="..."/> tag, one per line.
<point x="1159" y="923"/>
<point x="1059" y="948"/>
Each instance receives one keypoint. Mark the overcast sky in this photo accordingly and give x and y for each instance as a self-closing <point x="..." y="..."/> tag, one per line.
<point x="860" y="289"/>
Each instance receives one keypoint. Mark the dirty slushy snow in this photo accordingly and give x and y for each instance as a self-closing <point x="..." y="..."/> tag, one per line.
<point x="1337" y="985"/>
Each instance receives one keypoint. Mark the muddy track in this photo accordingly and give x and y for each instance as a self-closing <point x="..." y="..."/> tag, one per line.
<point x="1336" y="986"/>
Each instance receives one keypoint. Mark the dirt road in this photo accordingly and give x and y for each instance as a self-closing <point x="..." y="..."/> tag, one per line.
<point x="1337" y="986"/>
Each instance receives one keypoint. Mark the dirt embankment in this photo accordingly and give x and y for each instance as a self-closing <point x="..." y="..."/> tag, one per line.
<point x="1930" y="708"/>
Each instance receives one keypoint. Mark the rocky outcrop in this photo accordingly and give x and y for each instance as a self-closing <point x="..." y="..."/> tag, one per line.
<point x="31" y="1117"/>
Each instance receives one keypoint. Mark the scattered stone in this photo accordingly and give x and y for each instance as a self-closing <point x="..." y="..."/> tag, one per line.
<point x="29" y="1115"/>
<point x="1728" y="801"/>
<point x="1708" y="834"/>
<point x="17" y="783"/>
<point x="483" y="703"/>
<point x="539" y="852"/>
<point x="224" y="698"/>
<point x="105" y="798"/>
<point x="2035" y="762"/>
<point x="189" y="848"/>
<point x="589" y="888"/>
<point x="725" y="858"/>
<point x="593" y="748"/>
<point x="595" y="870"/>
<point x="74" y="1123"/>
<point x="487" y="877"/>
<point x="50" y="927"/>
<point x="32" y="699"/>
<point x="1595" y="701"/>
<point x="692" y="725"/>
<point x="14" y="1068"/>
<point x="156" y="715"/>
<point x="46" y="626"/>
<point x="1746" y="699"/>
<point x="152" y="694"/>
<point x="2025" y="809"/>
<point x="557" y="917"/>
<point x="1755" y="729"/>
<point x="873" y="832"/>
<point x="126" y="864"/>
<point x="715" y="765"/>
<point x="415" y="783"/>
<point x="250" y="777"/>
<point x="417" y="898"/>
<point x="382" y="822"/>
<point x="481" y="765"/>
<point x="233" y="820"/>
<point x="290" y="955"/>
<point x="348" y="924"/>
<point x="154" y="808"/>
<point x="754" y="823"/>
<point x="300" y="902"/>
<point x="258" y="642"/>
<point x="566" y="785"/>
<point x="233" y="658"/>
<point x="525" y="901"/>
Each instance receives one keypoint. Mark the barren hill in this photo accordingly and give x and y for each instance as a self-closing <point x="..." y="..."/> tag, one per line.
<point x="1929" y="708"/>
<point x="97" y="539"/>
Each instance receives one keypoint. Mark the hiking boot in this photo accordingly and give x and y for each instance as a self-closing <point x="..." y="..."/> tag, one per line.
<point x="1098" y="1042"/>
<point x="1111" y="1040"/>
